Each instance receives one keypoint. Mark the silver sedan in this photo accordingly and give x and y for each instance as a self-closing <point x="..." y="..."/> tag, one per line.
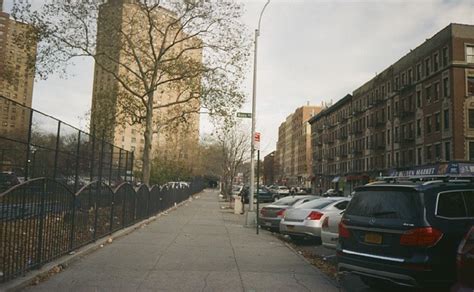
<point x="306" y="220"/>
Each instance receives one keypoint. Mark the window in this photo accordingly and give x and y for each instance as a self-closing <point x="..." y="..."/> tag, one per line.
<point x="437" y="149"/>
<point x="470" y="53"/>
<point x="446" y="119"/>
<point x="428" y="94"/>
<point x="427" y="66"/>
<point x="470" y="85"/>
<point x="445" y="56"/>
<point x="428" y="153"/>
<point x="418" y="99"/>
<point x="388" y="112"/>
<point x="410" y="76"/>
<point x="471" y="118"/>
<point x="418" y="127"/>
<point x="436" y="91"/>
<point x="419" y="156"/>
<point x="428" y="125"/>
<point x="445" y="87"/>
<point x="455" y="204"/>
<point x="447" y="151"/>
<point x="435" y="62"/>
<point x="471" y="151"/>
<point x="388" y="136"/>
<point x="437" y="121"/>
<point x="396" y="87"/>
<point x="418" y="72"/>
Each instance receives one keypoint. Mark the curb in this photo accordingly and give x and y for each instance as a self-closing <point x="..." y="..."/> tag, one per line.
<point x="329" y="279"/>
<point x="56" y="266"/>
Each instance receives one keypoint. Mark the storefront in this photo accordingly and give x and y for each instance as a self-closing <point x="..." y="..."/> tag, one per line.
<point x="446" y="168"/>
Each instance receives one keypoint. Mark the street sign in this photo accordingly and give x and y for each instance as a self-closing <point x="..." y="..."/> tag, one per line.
<point x="257" y="141"/>
<point x="244" y="115"/>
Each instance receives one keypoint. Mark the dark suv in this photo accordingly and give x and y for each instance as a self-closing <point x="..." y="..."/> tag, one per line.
<point x="406" y="233"/>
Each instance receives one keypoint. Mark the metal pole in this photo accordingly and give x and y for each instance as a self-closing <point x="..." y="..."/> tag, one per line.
<point x="254" y="104"/>
<point x="258" y="185"/>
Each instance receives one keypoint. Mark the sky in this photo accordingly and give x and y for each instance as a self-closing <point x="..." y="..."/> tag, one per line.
<point x="309" y="51"/>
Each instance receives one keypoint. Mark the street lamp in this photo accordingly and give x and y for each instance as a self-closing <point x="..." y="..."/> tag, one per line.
<point x="251" y="214"/>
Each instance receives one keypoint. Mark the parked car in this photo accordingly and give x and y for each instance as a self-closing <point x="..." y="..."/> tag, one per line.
<point x="330" y="229"/>
<point x="332" y="193"/>
<point x="405" y="233"/>
<point x="271" y="215"/>
<point x="465" y="263"/>
<point x="265" y="195"/>
<point x="280" y="191"/>
<point x="306" y="219"/>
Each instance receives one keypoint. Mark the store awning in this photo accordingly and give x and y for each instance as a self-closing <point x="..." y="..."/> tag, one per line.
<point x="336" y="179"/>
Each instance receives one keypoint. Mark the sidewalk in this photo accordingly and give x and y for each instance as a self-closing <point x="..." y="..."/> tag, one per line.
<point x="198" y="247"/>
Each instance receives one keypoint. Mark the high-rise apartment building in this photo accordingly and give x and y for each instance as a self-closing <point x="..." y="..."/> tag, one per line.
<point x="416" y="117"/>
<point x="16" y="75"/>
<point x="171" y="142"/>
<point x="293" y="154"/>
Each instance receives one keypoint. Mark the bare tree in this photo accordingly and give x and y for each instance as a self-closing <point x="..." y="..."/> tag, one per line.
<point x="196" y="50"/>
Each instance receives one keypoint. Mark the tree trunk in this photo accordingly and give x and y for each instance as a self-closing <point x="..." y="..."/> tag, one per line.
<point x="146" y="167"/>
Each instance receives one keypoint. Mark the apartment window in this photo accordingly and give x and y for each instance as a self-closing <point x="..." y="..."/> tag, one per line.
<point x="418" y="99"/>
<point x="446" y="119"/>
<point x="428" y="153"/>
<point x="447" y="151"/>
<point x="388" y="112"/>
<point x="471" y="118"/>
<point x="403" y="79"/>
<point x="470" y="53"/>
<point x="470" y="85"/>
<point x="396" y="138"/>
<point x="418" y="72"/>
<point x="437" y="122"/>
<point x="427" y="66"/>
<point x="418" y="127"/>
<point x="410" y="76"/>
<point x="437" y="149"/>
<point x="436" y="91"/>
<point x="389" y="87"/>
<point x="445" y="87"/>
<point x="471" y="151"/>
<point x="445" y="56"/>
<point x="419" y="156"/>
<point x="428" y="94"/>
<point x="428" y="125"/>
<point x="396" y="83"/>
<point x="397" y="158"/>
<point x="435" y="62"/>
<point x="388" y="136"/>
<point x="134" y="140"/>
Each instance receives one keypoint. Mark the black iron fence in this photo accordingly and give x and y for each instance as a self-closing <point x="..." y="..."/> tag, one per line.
<point x="62" y="188"/>
<point x="41" y="219"/>
<point x="33" y="144"/>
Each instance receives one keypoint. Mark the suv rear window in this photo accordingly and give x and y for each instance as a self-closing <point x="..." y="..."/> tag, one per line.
<point x="459" y="204"/>
<point x="385" y="204"/>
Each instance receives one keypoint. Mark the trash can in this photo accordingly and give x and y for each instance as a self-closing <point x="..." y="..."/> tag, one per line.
<point x="238" y="206"/>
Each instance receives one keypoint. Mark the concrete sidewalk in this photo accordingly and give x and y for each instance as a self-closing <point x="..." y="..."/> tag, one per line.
<point x="198" y="247"/>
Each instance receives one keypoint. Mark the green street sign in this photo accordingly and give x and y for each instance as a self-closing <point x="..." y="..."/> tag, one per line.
<point x="244" y="115"/>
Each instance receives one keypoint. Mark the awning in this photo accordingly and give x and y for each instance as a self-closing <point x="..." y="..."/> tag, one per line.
<point x="336" y="179"/>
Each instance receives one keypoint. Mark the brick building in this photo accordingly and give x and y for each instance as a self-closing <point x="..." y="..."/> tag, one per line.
<point x="416" y="116"/>
<point x="293" y="154"/>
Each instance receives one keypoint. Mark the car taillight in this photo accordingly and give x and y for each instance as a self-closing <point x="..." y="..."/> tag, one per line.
<point x="467" y="243"/>
<point x="343" y="231"/>
<point x="424" y="237"/>
<point x="281" y="213"/>
<point x="325" y="223"/>
<point x="314" y="215"/>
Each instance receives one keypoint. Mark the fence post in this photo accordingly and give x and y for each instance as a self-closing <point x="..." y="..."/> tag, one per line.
<point x="56" y="151"/>
<point x="126" y="166"/>
<point x="93" y="155"/>
<point x="99" y="188"/>
<point x="111" y="162"/>
<point x="119" y="175"/>
<point x="76" y="175"/>
<point x="39" y="251"/>
<point x="28" y="145"/>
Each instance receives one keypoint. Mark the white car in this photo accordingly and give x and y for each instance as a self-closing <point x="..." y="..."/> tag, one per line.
<point x="306" y="219"/>
<point x="330" y="230"/>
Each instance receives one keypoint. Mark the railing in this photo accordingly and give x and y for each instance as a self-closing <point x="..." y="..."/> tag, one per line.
<point x="41" y="219"/>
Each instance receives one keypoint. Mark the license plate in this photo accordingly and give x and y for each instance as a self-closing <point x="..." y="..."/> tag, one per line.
<point x="373" y="238"/>
<point x="290" y="226"/>
<point x="268" y="224"/>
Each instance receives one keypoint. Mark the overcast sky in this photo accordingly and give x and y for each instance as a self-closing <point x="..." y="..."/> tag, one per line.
<point x="309" y="51"/>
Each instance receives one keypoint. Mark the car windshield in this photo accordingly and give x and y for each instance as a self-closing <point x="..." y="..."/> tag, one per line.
<point x="283" y="188"/>
<point x="385" y="204"/>
<point x="316" y="204"/>
<point x="288" y="201"/>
